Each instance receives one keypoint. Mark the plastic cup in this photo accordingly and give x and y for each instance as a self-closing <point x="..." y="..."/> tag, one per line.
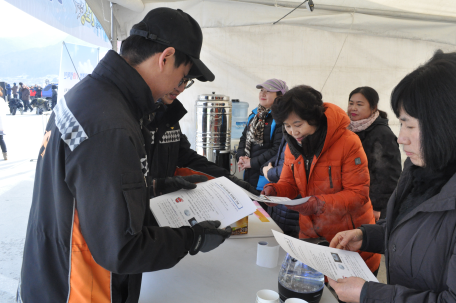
<point x="267" y="296"/>
<point x="295" y="300"/>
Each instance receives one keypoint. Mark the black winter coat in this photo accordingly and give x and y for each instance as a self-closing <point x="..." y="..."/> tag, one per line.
<point x="90" y="215"/>
<point x="384" y="162"/>
<point x="171" y="148"/>
<point x="420" y="251"/>
<point x="260" y="154"/>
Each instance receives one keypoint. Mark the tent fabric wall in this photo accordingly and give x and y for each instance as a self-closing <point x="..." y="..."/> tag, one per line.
<point x="333" y="51"/>
<point x="241" y="57"/>
<point x="224" y="13"/>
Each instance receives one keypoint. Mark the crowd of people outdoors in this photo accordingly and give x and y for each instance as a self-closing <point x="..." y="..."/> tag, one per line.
<point x="25" y="98"/>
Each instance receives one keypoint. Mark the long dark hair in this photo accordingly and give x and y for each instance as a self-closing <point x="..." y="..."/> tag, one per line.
<point x="372" y="97"/>
<point x="305" y="101"/>
<point x="429" y="95"/>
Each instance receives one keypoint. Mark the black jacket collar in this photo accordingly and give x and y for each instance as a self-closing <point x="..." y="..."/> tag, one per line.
<point x="128" y="81"/>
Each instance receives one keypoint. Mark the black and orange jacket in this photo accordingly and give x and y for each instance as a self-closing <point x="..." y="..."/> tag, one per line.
<point x="338" y="175"/>
<point x="89" y="235"/>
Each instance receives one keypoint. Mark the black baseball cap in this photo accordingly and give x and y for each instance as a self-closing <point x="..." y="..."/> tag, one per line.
<point x="174" y="28"/>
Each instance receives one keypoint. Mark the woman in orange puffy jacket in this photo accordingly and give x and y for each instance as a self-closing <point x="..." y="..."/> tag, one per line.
<point x="326" y="161"/>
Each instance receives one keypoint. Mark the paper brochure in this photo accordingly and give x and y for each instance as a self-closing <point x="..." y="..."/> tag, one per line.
<point x="332" y="262"/>
<point x="217" y="199"/>
<point x="277" y="200"/>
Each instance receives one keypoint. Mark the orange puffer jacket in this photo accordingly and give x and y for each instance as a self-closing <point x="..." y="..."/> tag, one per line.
<point x="339" y="176"/>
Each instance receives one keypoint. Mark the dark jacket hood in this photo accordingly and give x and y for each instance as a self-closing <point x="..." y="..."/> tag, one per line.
<point x="115" y="69"/>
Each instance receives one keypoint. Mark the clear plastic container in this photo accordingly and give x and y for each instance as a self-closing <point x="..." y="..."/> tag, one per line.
<point x="240" y="116"/>
<point x="297" y="280"/>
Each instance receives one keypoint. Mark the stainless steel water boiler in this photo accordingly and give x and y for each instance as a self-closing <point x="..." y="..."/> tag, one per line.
<point x="213" y="125"/>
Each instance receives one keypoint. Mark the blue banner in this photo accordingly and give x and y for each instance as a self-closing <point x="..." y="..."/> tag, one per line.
<point x="71" y="16"/>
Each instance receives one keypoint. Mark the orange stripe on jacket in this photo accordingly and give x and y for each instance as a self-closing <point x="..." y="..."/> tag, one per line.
<point x="89" y="282"/>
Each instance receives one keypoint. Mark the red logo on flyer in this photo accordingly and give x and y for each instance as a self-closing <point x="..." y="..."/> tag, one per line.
<point x="179" y="200"/>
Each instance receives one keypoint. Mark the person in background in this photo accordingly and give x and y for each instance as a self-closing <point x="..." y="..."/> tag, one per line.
<point x="26" y="98"/>
<point x="379" y="143"/>
<point x="14" y="89"/>
<point x="38" y="89"/>
<point x="2" y="121"/>
<point x="261" y="137"/>
<point x="287" y="219"/>
<point x="54" y="96"/>
<point x="326" y="162"/>
<point x="172" y="155"/>
<point x="419" y="235"/>
<point x="33" y="92"/>
<point x="8" y="92"/>
<point x="21" y="87"/>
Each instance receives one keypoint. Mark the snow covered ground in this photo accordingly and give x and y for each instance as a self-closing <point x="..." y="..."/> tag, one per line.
<point x="23" y="139"/>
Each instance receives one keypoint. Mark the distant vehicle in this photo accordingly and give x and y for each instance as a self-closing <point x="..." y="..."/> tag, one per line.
<point x="47" y="91"/>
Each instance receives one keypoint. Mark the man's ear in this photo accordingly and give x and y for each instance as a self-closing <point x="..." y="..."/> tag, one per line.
<point x="167" y="54"/>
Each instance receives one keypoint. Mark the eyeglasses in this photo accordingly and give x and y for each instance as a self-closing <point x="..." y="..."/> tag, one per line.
<point x="187" y="82"/>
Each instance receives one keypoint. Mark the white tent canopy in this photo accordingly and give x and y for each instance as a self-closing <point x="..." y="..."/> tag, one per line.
<point x="339" y="46"/>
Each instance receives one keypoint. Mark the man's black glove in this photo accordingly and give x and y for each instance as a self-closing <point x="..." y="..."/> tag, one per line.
<point x="207" y="236"/>
<point x="172" y="184"/>
<point x="244" y="184"/>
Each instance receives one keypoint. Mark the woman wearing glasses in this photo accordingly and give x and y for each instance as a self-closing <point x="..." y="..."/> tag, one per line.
<point x="261" y="137"/>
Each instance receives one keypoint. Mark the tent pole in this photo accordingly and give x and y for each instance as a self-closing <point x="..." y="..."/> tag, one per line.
<point x="113" y="29"/>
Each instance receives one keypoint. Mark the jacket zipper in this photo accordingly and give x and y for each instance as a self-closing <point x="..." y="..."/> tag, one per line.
<point x="330" y="178"/>
<point x="292" y="168"/>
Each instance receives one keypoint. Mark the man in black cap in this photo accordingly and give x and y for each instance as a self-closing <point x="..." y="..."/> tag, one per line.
<point x="90" y="232"/>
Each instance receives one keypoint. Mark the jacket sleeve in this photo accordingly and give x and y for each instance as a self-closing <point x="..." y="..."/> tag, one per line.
<point x="383" y="293"/>
<point x="384" y="167"/>
<point x="374" y="237"/>
<point x="241" y="148"/>
<point x="191" y="159"/>
<point x="286" y="187"/>
<point x="259" y="160"/>
<point x="272" y="160"/>
<point x="355" y="180"/>
<point x="104" y="174"/>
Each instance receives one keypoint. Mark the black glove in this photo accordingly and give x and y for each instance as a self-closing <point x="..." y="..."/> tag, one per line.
<point x="244" y="184"/>
<point x="172" y="184"/>
<point x="207" y="236"/>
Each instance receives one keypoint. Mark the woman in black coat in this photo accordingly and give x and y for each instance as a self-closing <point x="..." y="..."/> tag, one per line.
<point x="261" y="137"/>
<point x="379" y="143"/>
<point x="419" y="235"/>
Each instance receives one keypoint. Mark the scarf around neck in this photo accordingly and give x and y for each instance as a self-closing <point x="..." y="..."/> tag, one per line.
<point x="256" y="129"/>
<point x="357" y="126"/>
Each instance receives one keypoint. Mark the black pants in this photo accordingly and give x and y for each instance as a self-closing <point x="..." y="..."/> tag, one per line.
<point x="2" y="144"/>
<point x="27" y="105"/>
<point x="15" y="96"/>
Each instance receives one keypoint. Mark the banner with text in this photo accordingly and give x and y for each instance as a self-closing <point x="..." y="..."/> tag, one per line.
<point x="71" y="16"/>
<point x="76" y="62"/>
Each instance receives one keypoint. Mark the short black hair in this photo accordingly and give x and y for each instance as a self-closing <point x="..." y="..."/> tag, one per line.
<point x="303" y="100"/>
<point x="372" y="97"/>
<point x="429" y="95"/>
<point x="136" y="49"/>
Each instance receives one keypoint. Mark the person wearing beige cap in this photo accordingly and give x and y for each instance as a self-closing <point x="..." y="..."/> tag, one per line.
<point x="261" y="137"/>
